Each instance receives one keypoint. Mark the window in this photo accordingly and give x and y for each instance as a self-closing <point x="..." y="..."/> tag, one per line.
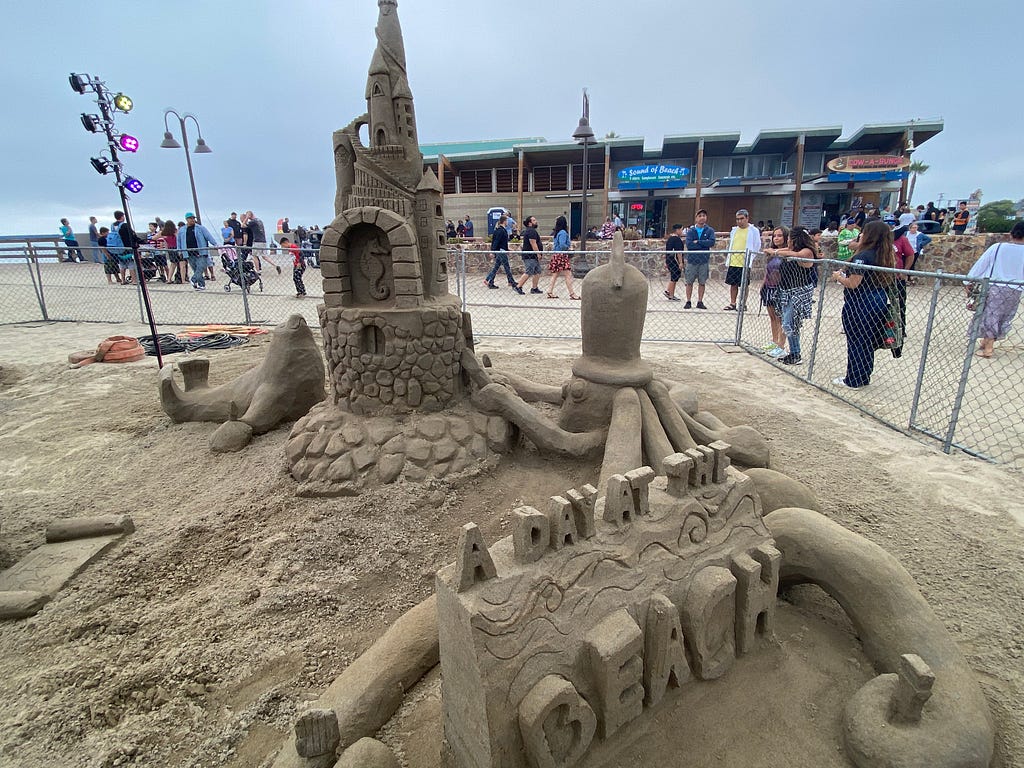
<point x="716" y="168"/>
<point x="475" y="181"/>
<point x="508" y="179"/>
<point x="449" y="182"/>
<point x="551" y="178"/>
<point x="814" y="163"/>
<point x="595" y="178"/>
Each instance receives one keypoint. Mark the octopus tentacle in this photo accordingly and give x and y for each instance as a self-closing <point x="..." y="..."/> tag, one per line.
<point x="623" y="450"/>
<point x="673" y="423"/>
<point x="657" y="446"/>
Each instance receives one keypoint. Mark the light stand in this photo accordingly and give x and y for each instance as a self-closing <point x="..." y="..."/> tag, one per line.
<point x="108" y="104"/>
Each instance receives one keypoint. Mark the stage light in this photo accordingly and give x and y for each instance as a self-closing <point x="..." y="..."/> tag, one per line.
<point x="129" y="143"/>
<point x="102" y="166"/>
<point x="79" y="83"/>
<point x="123" y="103"/>
<point x="133" y="185"/>
<point x="92" y="123"/>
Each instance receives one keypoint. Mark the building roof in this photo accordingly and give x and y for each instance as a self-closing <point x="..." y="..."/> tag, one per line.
<point x="886" y="137"/>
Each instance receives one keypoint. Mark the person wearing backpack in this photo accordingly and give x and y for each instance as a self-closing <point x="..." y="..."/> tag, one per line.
<point x="120" y="240"/>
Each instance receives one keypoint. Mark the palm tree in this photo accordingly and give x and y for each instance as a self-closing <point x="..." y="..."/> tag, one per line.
<point x="611" y="135"/>
<point x="916" y="168"/>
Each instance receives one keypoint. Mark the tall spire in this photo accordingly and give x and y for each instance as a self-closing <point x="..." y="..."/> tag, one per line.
<point x="389" y="35"/>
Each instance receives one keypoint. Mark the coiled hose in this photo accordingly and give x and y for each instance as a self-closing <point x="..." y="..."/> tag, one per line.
<point x="169" y="343"/>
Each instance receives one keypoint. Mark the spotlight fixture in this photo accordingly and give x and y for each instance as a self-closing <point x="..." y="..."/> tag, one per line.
<point x="128" y="143"/>
<point x="92" y="123"/>
<point x="133" y="185"/>
<point x="101" y="165"/>
<point x="79" y="83"/>
<point x="123" y="103"/>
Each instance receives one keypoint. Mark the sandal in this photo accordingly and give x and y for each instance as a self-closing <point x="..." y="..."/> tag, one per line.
<point x="552" y="295"/>
<point x="574" y="297"/>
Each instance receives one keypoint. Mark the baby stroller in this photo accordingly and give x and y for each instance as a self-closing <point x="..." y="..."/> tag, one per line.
<point x="238" y="269"/>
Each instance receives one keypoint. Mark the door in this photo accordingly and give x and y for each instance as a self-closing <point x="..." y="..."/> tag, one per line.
<point x="575" y="218"/>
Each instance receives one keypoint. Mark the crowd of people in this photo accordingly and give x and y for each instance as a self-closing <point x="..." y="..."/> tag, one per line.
<point x="184" y="252"/>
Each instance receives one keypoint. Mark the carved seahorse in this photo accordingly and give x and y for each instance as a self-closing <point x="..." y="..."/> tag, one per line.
<point x="373" y="269"/>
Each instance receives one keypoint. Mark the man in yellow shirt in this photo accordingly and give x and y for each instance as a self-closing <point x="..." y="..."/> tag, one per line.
<point x="743" y="239"/>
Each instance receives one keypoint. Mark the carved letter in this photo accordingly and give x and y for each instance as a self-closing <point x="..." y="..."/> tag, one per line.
<point x="618" y="501"/>
<point x="615" y="646"/>
<point x="583" y="509"/>
<point x="473" y="562"/>
<point x="664" y="655"/>
<point x="913" y="689"/>
<point x="722" y="461"/>
<point x="757" y="577"/>
<point x="531" y="534"/>
<point x="677" y="468"/>
<point x="639" y="479"/>
<point x="563" y="525"/>
<point x="556" y="723"/>
<point x="709" y="619"/>
<point x="703" y="464"/>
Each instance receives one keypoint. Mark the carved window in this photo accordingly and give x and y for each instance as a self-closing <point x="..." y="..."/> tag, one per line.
<point x="373" y="340"/>
<point x="441" y="239"/>
<point x="377" y="90"/>
<point x="438" y="212"/>
<point x="382" y="137"/>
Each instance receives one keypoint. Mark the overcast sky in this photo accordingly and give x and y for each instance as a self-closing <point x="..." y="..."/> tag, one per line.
<point x="269" y="83"/>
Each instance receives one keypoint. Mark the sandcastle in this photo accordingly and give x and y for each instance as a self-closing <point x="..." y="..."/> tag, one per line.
<point x="597" y="608"/>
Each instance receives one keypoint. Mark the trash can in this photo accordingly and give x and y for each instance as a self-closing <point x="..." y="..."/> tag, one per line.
<point x="493" y="214"/>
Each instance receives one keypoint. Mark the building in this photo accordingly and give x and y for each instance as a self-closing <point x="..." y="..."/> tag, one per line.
<point x="808" y="175"/>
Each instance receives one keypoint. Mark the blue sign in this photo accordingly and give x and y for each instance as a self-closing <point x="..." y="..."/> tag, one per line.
<point x="653" y="176"/>
<point x="879" y="176"/>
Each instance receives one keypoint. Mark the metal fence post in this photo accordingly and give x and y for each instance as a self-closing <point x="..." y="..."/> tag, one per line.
<point x="240" y="265"/>
<point x="954" y="417"/>
<point x="741" y="307"/>
<point x="37" y="282"/>
<point x="463" y="280"/>
<point x="822" y="281"/>
<point x="925" y="348"/>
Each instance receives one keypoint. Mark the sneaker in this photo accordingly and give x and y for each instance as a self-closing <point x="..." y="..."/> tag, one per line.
<point x="491" y="285"/>
<point x="841" y="382"/>
<point x="792" y="360"/>
<point x="535" y="290"/>
<point x="700" y="305"/>
<point x="777" y="353"/>
<point x="521" y="292"/>
<point x="770" y="346"/>
<point x="177" y="280"/>
<point x="687" y="305"/>
<point x="667" y="294"/>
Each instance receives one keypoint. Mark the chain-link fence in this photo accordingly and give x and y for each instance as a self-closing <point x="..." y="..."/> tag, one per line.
<point x="37" y="285"/>
<point x="496" y="311"/>
<point x="935" y="387"/>
<point x="902" y="348"/>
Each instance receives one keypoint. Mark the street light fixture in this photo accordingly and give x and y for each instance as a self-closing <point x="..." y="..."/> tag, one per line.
<point x="201" y="148"/>
<point x="584" y="135"/>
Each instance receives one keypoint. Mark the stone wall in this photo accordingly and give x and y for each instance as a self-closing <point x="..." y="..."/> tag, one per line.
<point x="394" y="360"/>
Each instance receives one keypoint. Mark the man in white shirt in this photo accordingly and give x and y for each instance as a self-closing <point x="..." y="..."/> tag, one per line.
<point x="906" y="216"/>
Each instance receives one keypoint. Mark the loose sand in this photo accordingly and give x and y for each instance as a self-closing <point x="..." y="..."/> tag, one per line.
<point x="195" y="640"/>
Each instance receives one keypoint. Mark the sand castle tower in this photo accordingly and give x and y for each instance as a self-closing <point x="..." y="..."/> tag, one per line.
<point x="393" y="335"/>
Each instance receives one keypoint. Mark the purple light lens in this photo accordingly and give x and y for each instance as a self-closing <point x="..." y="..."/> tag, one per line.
<point x="129" y="143"/>
<point x="133" y="185"/>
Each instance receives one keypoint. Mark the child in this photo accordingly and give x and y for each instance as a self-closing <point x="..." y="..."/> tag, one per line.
<point x="110" y="265"/>
<point x="298" y="266"/>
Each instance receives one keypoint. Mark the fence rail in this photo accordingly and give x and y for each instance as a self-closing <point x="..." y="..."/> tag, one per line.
<point x="936" y="389"/>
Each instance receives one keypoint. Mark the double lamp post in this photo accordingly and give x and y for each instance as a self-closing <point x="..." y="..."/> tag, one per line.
<point x="201" y="148"/>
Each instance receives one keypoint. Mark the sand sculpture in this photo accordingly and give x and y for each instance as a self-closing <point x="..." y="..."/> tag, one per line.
<point x="28" y="585"/>
<point x="288" y="382"/>
<point x="399" y="348"/>
<point x="553" y="640"/>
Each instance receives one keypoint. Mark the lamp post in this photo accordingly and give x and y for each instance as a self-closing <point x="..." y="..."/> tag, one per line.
<point x="584" y="135"/>
<point x="202" y="148"/>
